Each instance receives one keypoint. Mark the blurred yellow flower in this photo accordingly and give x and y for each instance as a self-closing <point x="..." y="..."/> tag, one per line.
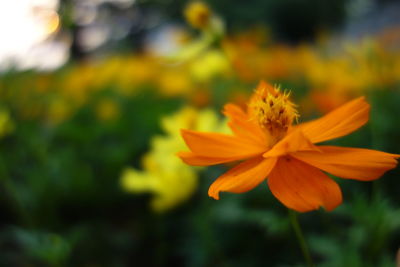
<point x="173" y="82"/>
<point x="59" y="110"/>
<point x="136" y="70"/>
<point x="212" y="29"/>
<point x="210" y="64"/>
<point x="6" y="124"/>
<point x="107" y="109"/>
<point x="164" y="175"/>
<point x="197" y="14"/>
<point x="75" y="85"/>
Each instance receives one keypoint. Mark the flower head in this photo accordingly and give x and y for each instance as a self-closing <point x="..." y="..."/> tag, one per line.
<point x="272" y="148"/>
<point x="198" y="14"/>
<point x="170" y="181"/>
<point x="273" y="111"/>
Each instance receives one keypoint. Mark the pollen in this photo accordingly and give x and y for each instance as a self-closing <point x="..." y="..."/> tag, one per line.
<point x="273" y="111"/>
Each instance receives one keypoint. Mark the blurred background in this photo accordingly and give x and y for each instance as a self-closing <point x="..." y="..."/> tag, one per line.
<point x="93" y="94"/>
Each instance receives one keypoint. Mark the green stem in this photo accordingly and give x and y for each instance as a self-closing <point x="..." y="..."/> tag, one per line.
<point x="300" y="238"/>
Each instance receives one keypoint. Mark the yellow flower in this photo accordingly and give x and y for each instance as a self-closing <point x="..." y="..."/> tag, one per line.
<point x="6" y="124"/>
<point x="212" y="30"/>
<point x="169" y="187"/>
<point x="107" y="109"/>
<point x="210" y="64"/>
<point x="164" y="175"/>
<point x="58" y="110"/>
<point x="198" y="14"/>
<point x="174" y="81"/>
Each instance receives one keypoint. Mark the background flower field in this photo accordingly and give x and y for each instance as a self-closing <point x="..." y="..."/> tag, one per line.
<point x="92" y="104"/>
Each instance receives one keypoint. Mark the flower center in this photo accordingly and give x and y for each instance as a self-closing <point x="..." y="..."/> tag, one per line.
<point x="273" y="111"/>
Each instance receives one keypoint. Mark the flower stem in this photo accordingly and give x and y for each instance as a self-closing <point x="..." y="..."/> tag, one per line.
<point x="300" y="238"/>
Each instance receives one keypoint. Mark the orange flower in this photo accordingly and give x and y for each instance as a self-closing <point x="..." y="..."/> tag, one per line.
<point x="270" y="146"/>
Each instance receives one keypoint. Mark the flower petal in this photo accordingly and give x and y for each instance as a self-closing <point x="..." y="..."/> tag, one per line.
<point x="216" y="145"/>
<point x="196" y="160"/>
<point x="338" y="122"/>
<point x="242" y="126"/>
<point x="295" y="141"/>
<point x="243" y="177"/>
<point x="352" y="163"/>
<point x="302" y="187"/>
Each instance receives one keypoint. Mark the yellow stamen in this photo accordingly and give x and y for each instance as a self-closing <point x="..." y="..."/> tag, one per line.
<point x="273" y="111"/>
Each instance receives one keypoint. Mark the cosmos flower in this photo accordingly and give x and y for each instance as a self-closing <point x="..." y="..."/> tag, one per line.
<point x="198" y="14"/>
<point x="166" y="177"/>
<point x="271" y="148"/>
